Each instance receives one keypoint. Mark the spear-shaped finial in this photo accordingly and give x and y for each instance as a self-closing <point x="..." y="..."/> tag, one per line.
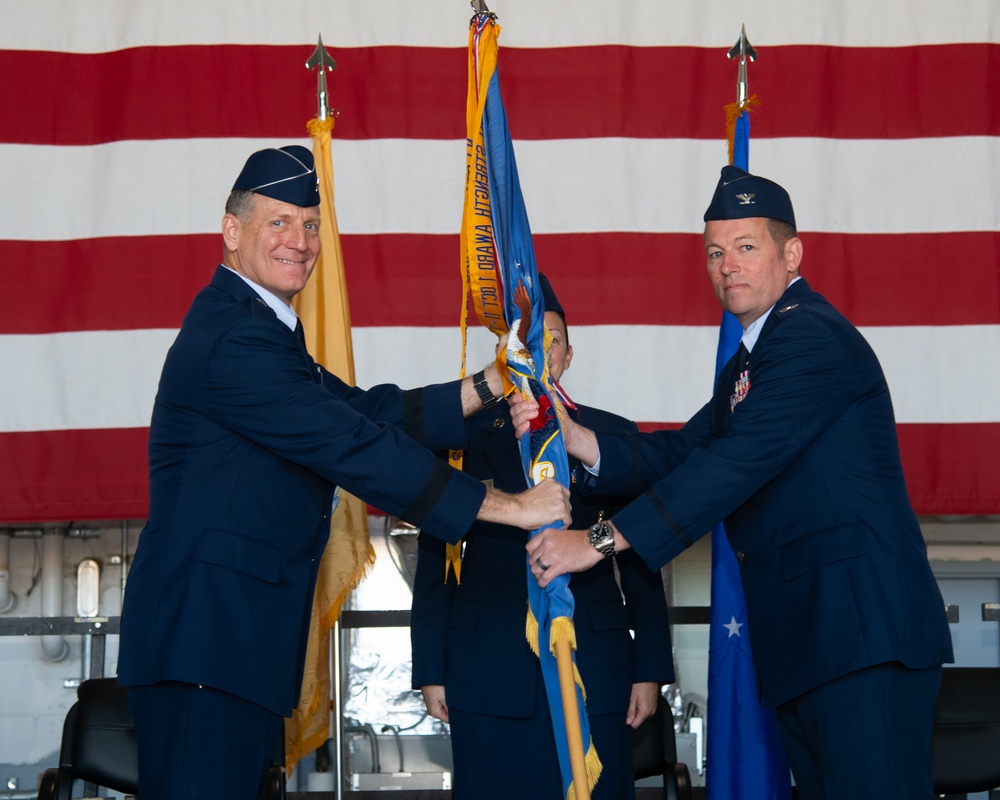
<point x="479" y="6"/>
<point x="321" y="59"/>
<point x="742" y="50"/>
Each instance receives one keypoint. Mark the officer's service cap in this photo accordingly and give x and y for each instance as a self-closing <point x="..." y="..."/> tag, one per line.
<point x="284" y="173"/>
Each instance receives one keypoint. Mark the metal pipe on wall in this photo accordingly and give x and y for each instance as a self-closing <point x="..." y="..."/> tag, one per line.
<point x="8" y="600"/>
<point x="124" y="557"/>
<point x="54" y="648"/>
<point x="88" y="606"/>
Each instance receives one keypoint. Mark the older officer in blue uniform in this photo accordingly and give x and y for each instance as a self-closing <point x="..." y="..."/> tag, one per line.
<point x="797" y="452"/>
<point x="248" y="441"/>
<point x="471" y="659"/>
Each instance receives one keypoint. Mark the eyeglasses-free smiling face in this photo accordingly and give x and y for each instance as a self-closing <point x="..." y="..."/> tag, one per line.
<point x="748" y="269"/>
<point x="275" y="247"/>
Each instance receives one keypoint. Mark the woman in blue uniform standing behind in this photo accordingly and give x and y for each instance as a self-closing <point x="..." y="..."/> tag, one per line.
<point x="471" y="660"/>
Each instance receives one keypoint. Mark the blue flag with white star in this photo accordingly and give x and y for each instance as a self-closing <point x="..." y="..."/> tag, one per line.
<point x="746" y="760"/>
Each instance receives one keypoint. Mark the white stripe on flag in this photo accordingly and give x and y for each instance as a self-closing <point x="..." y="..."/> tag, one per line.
<point x="90" y="379"/>
<point x="107" y="379"/>
<point x="411" y="185"/>
<point x="105" y="25"/>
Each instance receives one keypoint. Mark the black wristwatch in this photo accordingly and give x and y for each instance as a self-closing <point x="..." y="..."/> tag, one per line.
<point x="483" y="389"/>
<point x="602" y="537"/>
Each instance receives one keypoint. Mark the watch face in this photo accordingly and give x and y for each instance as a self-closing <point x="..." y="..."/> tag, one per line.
<point x="599" y="533"/>
<point x="602" y="539"/>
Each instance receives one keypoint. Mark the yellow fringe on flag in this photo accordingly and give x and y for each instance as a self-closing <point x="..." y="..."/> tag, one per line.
<point x="733" y="111"/>
<point x="308" y="727"/>
<point x="594" y="770"/>
<point x="562" y="630"/>
<point x="531" y="631"/>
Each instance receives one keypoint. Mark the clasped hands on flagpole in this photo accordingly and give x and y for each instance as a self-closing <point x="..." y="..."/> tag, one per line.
<point x="556" y="551"/>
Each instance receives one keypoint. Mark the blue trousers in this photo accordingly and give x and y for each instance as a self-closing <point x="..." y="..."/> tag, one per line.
<point x="197" y="743"/>
<point x="500" y="758"/>
<point x="864" y="736"/>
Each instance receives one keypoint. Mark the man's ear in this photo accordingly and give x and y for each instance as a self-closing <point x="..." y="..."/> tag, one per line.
<point x="231" y="227"/>
<point x="793" y="254"/>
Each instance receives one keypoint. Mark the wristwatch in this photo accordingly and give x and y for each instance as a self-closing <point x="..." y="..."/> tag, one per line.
<point x="602" y="537"/>
<point x="483" y="389"/>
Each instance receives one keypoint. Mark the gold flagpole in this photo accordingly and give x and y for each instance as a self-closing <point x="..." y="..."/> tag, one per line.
<point x="323" y="308"/>
<point x="571" y="714"/>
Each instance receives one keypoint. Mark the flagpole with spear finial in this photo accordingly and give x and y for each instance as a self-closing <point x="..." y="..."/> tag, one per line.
<point x="323" y="308"/>
<point x="743" y="51"/>
<point x="544" y="629"/>
<point x="321" y="61"/>
<point x="735" y="726"/>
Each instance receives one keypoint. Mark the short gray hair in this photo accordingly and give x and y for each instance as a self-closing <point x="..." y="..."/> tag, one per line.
<point x="241" y="204"/>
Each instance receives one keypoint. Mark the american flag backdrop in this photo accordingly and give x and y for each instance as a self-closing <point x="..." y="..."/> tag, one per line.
<point x="124" y="123"/>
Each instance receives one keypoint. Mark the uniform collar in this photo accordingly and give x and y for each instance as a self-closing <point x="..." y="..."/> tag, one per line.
<point x="752" y="333"/>
<point x="282" y="310"/>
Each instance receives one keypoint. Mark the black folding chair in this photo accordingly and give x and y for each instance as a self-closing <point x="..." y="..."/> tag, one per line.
<point x="654" y="752"/>
<point x="966" y="746"/>
<point x="98" y="745"/>
<point x="99" y="748"/>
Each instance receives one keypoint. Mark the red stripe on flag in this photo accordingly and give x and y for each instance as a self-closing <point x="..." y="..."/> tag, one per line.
<point x="74" y="475"/>
<point x="949" y="469"/>
<point x="122" y="283"/>
<point x="596" y="91"/>
<point x="108" y="284"/>
<point x="907" y="278"/>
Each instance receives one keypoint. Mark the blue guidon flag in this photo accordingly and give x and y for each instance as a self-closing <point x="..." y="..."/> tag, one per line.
<point x="745" y="757"/>
<point x="499" y="271"/>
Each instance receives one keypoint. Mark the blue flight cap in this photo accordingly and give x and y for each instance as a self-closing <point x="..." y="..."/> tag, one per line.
<point x="740" y="195"/>
<point x="287" y="174"/>
<point x="549" y="299"/>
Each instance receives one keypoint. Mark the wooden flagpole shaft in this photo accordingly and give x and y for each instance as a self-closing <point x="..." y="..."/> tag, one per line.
<point x="571" y="713"/>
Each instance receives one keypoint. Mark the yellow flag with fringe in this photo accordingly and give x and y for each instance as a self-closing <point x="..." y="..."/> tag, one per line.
<point x="323" y="309"/>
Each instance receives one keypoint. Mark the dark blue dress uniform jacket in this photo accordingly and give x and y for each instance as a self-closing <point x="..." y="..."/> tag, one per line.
<point x="248" y="439"/>
<point x="471" y="638"/>
<point x="806" y="473"/>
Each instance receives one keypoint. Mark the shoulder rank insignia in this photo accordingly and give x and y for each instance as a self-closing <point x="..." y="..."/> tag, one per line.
<point x="788" y="308"/>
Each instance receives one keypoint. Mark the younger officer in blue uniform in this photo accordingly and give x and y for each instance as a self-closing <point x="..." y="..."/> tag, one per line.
<point x="797" y="452"/>
<point x="470" y="656"/>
